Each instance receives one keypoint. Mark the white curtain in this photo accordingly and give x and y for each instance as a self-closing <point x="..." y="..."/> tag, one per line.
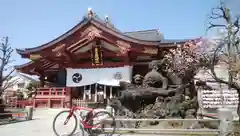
<point x="104" y="76"/>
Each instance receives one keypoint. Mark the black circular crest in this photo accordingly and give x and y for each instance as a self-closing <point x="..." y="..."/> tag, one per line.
<point x="77" y="77"/>
<point x="118" y="76"/>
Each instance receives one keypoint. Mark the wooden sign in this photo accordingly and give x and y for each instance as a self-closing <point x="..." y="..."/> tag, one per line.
<point x="149" y="50"/>
<point x="218" y="98"/>
<point x="97" y="55"/>
<point x="59" y="48"/>
<point x="35" y="56"/>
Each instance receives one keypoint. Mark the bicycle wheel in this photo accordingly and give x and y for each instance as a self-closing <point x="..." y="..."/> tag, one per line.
<point x="65" y="120"/>
<point x="102" y="122"/>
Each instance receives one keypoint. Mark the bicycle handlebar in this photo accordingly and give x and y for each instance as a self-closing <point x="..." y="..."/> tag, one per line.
<point x="67" y="102"/>
<point x="98" y="104"/>
<point x="95" y="107"/>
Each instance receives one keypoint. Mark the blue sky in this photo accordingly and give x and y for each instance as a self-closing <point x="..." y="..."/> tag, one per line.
<point x="30" y="23"/>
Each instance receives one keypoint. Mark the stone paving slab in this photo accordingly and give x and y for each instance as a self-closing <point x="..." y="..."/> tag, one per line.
<point x="41" y="125"/>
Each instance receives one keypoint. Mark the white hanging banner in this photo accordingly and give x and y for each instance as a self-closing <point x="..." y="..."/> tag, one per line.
<point x="104" y="76"/>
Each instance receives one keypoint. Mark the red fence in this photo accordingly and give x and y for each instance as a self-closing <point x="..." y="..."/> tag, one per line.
<point x="13" y="102"/>
<point x="45" y="97"/>
<point x="55" y="92"/>
<point x="51" y="97"/>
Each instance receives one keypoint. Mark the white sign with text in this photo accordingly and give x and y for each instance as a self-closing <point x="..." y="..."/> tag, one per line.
<point x="218" y="98"/>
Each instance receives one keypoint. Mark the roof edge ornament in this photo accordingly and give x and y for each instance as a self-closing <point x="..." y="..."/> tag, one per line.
<point x="107" y="22"/>
<point x="106" y="19"/>
<point x="90" y="13"/>
<point x="123" y="46"/>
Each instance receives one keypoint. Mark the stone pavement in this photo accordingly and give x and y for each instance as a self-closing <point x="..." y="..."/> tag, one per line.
<point x="40" y="126"/>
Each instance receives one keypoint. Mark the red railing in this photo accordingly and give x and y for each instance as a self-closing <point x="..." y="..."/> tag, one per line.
<point x="24" y="103"/>
<point x="45" y="92"/>
<point x="13" y="102"/>
<point x="51" y="97"/>
<point x="45" y="97"/>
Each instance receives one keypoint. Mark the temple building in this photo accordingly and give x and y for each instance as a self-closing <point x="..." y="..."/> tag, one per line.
<point x="91" y="59"/>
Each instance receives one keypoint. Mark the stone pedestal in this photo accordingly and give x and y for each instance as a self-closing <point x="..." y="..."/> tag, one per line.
<point x="226" y="121"/>
<point x="29" y="110"/>
<point x="1" y="106"/>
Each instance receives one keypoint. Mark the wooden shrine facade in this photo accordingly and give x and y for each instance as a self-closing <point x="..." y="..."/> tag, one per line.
<point x="94" y="43"/>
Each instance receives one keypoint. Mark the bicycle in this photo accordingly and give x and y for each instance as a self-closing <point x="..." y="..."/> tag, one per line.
<point x="87" y="121"/>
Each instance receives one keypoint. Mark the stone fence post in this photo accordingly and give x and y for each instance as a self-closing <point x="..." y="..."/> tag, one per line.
<point x="29" y="110"/>
<point x="226" y="121"/>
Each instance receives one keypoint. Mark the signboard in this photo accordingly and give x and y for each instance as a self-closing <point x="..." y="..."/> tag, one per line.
<point x="221" y="96"/>
<point x="97" y="56"/>
<point x="35" y="56"/>
<point x="218" y="98"/>
<point x="104" y="76"/>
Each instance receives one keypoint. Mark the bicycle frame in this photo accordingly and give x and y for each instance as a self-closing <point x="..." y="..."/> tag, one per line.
<point x="83" y="122"/>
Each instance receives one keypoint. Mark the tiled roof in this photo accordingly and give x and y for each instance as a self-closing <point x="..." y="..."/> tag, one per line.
<point x="174" y="40"/>
<point x="148" y="35"/>
<point x="153" y="35"/>
<point x="28" y="77"/>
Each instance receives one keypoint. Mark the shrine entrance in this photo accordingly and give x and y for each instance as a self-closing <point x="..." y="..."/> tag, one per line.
<point x="96" y="84"/>
<point x="92" y="58"/>
<point x="88" y="94"/>
<point x="94" y="92"/>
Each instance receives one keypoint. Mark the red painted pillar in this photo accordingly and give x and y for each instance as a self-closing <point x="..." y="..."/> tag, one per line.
<point x="49" y="97"/>
<point x="127" y="60"/>
<point x="34" y="103"/>
<point x="68" y="96"/>
<point x="49" y="103"/>
<point x="62" y="103"/>
<point x="42" y="78"/>
<point x="63" y="91"/>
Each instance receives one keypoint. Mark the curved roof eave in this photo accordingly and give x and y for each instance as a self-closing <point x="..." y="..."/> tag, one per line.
<point x="80" y="25"/>
<point x="175" y="41"/>
<point x="126" y="37"/>
<point x="20" y="51"/>
<point x="23" y="65"/>
<point x="54" y="41"/>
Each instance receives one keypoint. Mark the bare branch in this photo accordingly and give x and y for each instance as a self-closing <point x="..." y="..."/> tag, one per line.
<point x="7" y="84"/>
<point x="216" y="78"/>
<point x="236" y="24"/>
<point x="211" y="25"/>
<point x="8" y="75"/>
<point x="5" y="60"/>
<point x="215" y="15"/>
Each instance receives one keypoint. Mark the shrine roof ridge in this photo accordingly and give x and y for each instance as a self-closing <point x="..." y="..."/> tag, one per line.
<point x="69" y="32"/>
<point x="176" y="41"/>
<point x="95" y="20"/>
<point x="146" y="37"/>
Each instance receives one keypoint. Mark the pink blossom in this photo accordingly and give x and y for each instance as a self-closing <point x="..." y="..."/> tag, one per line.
<point x="187" y="56"/>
